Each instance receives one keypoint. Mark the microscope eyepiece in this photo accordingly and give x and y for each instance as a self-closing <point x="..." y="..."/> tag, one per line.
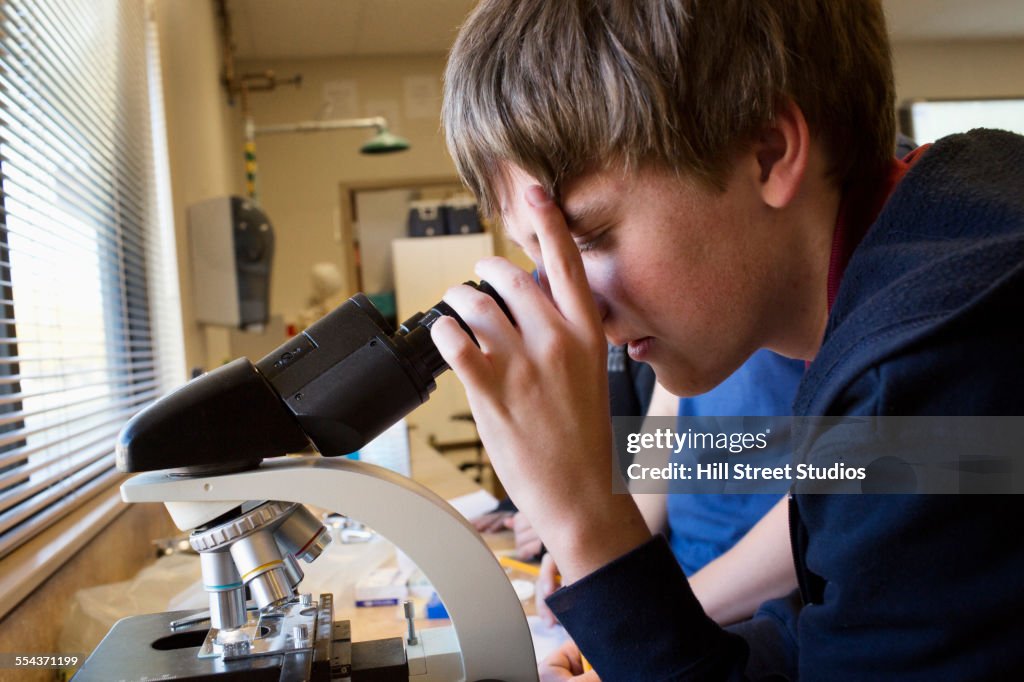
<point x="416" y="331"/>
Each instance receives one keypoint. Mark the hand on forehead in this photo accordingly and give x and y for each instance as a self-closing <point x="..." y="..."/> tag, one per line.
<point x="512" y="185"/>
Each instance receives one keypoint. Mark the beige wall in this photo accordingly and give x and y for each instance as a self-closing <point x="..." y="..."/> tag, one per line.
<point x="300" y="174"/>
<point x="959" y="69"/>
<point x="204" y="135"/>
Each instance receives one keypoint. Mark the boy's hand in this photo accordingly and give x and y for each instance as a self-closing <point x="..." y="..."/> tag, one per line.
<point x="528" y="544"/>
<point x="566" y="664"/>
<point x="539" y="395"/>
<point x="547" y="582"/>
<point x="491" y="522"/>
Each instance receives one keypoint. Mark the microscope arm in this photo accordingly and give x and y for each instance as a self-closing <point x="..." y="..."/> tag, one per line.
<point x="486" y="614"/>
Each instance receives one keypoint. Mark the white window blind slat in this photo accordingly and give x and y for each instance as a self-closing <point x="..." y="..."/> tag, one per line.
<point x="15" y="417"/>
<point x="58" y="376"/>
<point x="71" y="421"/>
<point x="45" y="476"/>
<point x="70" y="493"/>
<point x="73" y="193"/>
<point x="77" y="442"/>
<point x="133" y="315"/>
<point x="30" y="139"/>
<point x="41" y="473"/>
<point x="67" y="197"/>
<point x="89" y="322"/>
<point x="28" y="223"/>
<point x="65" y="66"/>
<point x="80" y="391"/>
<point x="21" y="359"/>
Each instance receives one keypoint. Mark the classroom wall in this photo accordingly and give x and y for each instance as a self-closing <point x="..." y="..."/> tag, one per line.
<point x="204" y="139"/>
<point x="959" y="69"/>
<point x="300" y="174"/>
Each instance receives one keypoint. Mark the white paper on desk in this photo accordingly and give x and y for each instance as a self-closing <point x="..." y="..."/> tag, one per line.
<point x="546" y="639"/>
<point x="474" y="504"/>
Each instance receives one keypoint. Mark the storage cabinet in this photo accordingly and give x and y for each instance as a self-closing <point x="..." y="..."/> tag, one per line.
<point x="424" y="269"/>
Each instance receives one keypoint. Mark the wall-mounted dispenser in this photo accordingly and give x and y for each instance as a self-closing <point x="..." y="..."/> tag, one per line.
<point x="232" y="246"/>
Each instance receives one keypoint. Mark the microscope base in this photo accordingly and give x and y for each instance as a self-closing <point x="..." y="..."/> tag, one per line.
<point x="146" y="648"/>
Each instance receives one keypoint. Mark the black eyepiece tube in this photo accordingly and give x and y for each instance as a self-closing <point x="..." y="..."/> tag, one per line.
<point x="356" y="376"/>
<point x="350" y="376"/>
<point x="337" y="385"/>
<point x="415" y="332"/>
<point x="428" y="318"/>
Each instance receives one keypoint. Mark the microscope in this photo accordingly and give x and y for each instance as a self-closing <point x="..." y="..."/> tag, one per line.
<point x="212" y="453"/>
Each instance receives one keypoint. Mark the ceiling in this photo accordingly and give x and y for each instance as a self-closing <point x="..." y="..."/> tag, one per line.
<point x="297" y="29"/>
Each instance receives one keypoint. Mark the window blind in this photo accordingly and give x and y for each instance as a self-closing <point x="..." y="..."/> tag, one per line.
<point x="89" y="324"/>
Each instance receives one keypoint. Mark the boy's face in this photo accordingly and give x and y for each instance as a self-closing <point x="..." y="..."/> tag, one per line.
<point x="683" y="275"/>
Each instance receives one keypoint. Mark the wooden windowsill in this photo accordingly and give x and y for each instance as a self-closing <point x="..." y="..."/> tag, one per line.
<point x="26" y="568"/>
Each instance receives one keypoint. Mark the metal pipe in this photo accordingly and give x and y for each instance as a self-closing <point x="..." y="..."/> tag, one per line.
<point x="250" y="158"/>
<point x="378" y="122"/>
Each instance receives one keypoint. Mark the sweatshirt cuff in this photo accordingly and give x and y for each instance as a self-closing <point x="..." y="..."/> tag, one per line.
<point x="637" y="618"/>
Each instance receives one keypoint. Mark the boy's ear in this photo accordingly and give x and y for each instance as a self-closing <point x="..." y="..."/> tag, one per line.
<point x="783" y="150"/>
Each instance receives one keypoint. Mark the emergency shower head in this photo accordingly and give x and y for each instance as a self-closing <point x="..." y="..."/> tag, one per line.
<point x="384" y="142"/>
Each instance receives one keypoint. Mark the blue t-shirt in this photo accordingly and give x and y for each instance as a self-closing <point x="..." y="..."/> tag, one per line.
<point x="702" y="527"/>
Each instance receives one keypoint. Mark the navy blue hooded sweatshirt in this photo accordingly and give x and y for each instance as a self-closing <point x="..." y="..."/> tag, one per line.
<point x="928" y="320"/>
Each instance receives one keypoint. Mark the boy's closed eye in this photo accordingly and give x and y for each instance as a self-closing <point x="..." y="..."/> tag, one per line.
<point x="592" y="240"/>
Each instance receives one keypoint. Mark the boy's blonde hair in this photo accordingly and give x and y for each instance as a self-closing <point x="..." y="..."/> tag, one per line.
<point x="561" y="87"/>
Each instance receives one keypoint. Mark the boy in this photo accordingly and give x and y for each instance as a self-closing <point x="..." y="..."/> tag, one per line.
<point x="700" y="179"/>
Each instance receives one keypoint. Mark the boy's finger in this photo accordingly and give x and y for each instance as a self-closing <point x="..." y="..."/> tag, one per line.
<point x="542" y="280"/>
<point x="491" y="327"/>
<point x="563" y="266"/>
<point x="529" y="305"/>
<point x="461" y="354"/>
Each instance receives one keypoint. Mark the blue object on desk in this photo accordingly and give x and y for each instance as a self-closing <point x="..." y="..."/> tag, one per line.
<point x="435" y="608"/>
